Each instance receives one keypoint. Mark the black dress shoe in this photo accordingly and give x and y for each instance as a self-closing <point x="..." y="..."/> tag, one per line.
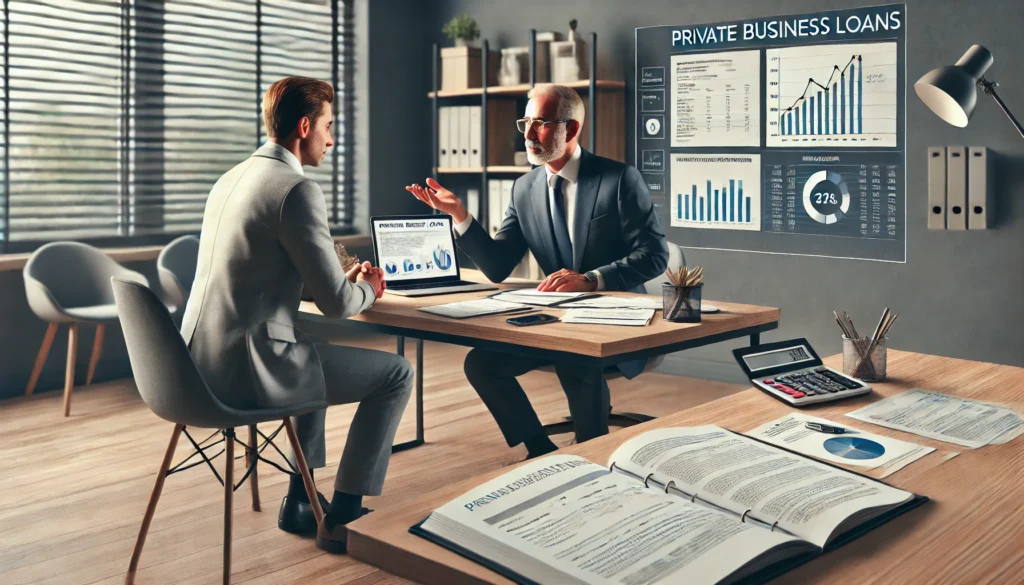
<point x="297" y="517"/>
<point x="333" y="536"/>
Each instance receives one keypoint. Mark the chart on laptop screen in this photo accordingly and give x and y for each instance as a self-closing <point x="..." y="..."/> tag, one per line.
<point x="413" y="249"/>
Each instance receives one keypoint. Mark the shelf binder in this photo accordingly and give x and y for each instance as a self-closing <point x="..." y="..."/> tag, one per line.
<point x="956" y="188"/>
<point x="937" y="188"/>
<point x="979" y="198"/>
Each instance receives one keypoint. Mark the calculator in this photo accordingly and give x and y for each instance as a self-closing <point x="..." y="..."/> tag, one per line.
<point x="792" y="372"/>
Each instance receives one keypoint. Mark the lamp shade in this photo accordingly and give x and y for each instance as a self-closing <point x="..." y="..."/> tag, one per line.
<point x="951" y="92"/>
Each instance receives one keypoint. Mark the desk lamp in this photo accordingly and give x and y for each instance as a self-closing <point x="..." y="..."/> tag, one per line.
<point x="952" y="92"/>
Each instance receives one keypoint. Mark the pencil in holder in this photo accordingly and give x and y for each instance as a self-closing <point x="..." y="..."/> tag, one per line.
<point x="681" y="304"/>
<point x="872" y="368"/>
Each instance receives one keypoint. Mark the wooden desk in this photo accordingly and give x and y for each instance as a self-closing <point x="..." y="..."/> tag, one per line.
<point x="972" y="531"/>
<point x="586" y="346"/>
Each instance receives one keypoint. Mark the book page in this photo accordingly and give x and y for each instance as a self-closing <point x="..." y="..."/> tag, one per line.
<point x="586" y="524"/>
<point x="805" y="497"/>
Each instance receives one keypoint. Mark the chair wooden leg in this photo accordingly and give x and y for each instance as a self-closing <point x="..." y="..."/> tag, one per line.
<point x="151" y="508"/>
<point x="229" y="490"/>
<point x="97" y="349"/>
<point x="69" y="373"/>
<point x="44" y="350"/>
<point x="307" y="479"/>
<point x="254" y="463"/>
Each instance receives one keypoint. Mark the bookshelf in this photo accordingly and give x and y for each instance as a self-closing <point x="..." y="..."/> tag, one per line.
<point x="603" y="130"/>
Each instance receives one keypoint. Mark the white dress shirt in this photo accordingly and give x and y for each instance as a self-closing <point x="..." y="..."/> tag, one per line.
<point x="569" y="173"/>
<point x="289" y="156"/>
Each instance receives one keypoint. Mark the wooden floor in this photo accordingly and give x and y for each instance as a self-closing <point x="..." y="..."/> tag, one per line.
<point x="74" y="489"/>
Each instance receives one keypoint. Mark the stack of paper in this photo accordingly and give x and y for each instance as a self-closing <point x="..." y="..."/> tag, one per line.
<point x="615" y="302"/>
<point x="534" y="297"/>
<point x="477" y="308"/>
<point x="969" y="423"/>
<point x="633" y="317"/>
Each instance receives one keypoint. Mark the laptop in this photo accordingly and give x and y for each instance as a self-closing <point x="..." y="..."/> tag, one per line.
<point x="417" y="253"/>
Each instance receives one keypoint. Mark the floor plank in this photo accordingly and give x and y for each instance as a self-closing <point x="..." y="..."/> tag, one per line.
<point x="75" y="488"/>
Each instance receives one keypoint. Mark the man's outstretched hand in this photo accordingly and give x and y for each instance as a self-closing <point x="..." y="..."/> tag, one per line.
<point x="566" y="281"/>
<point x="440" y="199"/>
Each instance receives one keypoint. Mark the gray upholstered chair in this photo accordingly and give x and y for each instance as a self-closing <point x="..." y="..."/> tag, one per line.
<point x="174" y="389"/>
<point x="676" y="260"/>
<point x="69" y="282"/>
<point x="176" y="267"/>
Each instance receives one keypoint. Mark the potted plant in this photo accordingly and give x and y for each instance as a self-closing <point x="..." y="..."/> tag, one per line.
<point x="462" y="29"/>
<point x="460" y="65"/>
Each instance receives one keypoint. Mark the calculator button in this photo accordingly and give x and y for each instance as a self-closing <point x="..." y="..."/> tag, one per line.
<point x="798" y="395"/>
<point x="770" y="382"/>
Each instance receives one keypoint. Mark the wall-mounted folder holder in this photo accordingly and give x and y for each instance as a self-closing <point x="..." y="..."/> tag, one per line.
<point x="959" y="197"/>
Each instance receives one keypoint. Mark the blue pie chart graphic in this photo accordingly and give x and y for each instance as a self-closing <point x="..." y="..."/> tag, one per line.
<point x="854" y="448"/>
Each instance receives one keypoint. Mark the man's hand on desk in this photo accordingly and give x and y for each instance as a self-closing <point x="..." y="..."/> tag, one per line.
<point x="374" y="276"/>
<point x="440" y="199"/>
<point x="566" y="281"/>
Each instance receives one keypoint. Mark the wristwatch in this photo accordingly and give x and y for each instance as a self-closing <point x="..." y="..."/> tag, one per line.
<point x="591" y="275"/>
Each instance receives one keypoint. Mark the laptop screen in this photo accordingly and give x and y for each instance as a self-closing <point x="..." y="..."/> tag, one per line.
<point x="415" y="248"/>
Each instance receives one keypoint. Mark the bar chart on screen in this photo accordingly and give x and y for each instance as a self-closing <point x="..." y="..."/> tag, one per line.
<point x="832" y="95"/>
<point x="716" y="191"/>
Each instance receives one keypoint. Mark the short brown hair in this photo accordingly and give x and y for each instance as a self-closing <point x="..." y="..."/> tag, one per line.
<point x="291" y="98"/>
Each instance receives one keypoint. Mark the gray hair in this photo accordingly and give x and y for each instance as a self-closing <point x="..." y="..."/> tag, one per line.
<point x="570" y="105"/>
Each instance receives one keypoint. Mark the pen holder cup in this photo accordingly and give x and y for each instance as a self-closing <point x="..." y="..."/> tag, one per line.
<point x="681" y="304"/>
<point x="871" y="369"/>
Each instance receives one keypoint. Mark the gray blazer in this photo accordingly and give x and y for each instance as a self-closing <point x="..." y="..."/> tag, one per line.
<point x="264" y="235"/>
<point x="615" y="221"/>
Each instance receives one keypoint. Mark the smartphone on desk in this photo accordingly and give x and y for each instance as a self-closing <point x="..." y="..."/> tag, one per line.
<point x="536" y="319"/>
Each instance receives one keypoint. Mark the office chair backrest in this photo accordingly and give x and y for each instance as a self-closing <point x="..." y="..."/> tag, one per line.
<point x="72" y="274"/>
<point x="176" y="266"/>
<point x="166" y="375"/>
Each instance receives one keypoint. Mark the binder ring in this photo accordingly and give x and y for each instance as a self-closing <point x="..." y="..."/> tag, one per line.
<point x="668" y="485"/>
<point x="649" y="475"/>
<point x="774" y="524"/>
<point x="693" y="499"/>
<point x="611" y="467"/>
<point x="743" y="517"/>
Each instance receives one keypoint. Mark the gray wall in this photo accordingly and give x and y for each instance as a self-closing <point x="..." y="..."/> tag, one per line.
<point x="392" y="150"/>
<point x="958" y="294"/>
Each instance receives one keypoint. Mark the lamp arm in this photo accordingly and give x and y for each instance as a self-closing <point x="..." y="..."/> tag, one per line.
<point x="990" y="88"/>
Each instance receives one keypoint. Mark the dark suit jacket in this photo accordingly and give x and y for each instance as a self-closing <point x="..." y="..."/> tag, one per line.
<point x="615" y="229"/>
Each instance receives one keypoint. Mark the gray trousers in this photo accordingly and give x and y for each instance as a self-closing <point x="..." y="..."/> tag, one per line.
<point x="493" y="376"/>
<point x="381" y="383"/>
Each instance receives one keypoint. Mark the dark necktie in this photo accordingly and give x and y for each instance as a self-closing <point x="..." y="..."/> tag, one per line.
<point x="562" y="241"/>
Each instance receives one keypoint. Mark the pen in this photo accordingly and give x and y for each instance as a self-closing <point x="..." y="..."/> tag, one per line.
<point x="822" y="428"/>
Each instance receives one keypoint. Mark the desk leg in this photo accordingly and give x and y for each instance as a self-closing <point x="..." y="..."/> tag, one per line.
<point x="419" y="440"/>
<point x="755" y="339"/>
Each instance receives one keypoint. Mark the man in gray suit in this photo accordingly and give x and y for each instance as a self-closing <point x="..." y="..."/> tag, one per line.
<point x="265" y="235"/>
<point x="590" y="224"/>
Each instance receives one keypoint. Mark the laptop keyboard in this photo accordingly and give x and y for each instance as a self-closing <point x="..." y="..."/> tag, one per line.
<point x="430" y="285"/>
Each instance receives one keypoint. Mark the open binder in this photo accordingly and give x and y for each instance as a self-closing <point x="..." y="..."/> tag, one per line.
<point x="497" y="526"/>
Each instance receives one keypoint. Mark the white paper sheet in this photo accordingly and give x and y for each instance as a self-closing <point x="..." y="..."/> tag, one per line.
<point x="616" y="302"/>
<point x="968" y="423"/>
<point x="792" y="433"/>
<point x="634" y="317"/>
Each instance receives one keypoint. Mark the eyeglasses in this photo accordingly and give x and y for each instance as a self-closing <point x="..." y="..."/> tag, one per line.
<point x="524" y="124"/>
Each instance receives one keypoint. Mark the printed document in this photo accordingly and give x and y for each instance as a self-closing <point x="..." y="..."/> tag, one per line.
<point x="859" y="448"/>
<point x="633" y="317"/>
<point x="475" y="308"/>
<point x="942" y="417"/>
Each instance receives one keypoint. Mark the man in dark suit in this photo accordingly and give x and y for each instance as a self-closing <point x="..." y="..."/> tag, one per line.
<point x="590" y="224"/>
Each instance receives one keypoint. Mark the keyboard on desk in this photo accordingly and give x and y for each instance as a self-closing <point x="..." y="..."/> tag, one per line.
<point x="810" y="385"/>
<point x="429" y="285"/>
